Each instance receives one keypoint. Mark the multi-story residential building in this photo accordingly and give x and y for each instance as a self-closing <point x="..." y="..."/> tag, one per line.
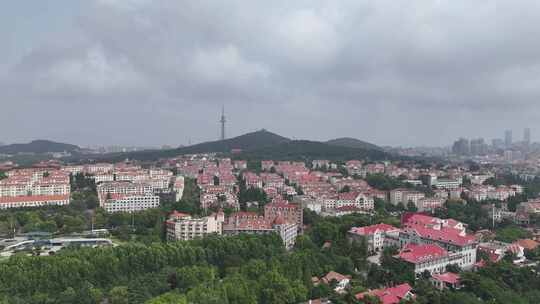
<point x="253" y="180"/>
<point x="124" y="187"/>
<point x="251" y="223"/>
<point x="99" y="168"/>
<point x="184" y="227"/>
<point x="429" y="204"/>
<point x="396" y="196"/>
<point x="365" y="202"/>
<point x="479" y="179"/>
<point x="444" y="183"/>
<point x="354" y="199"/>
<point x="291" y="213"/>
<point x="412" y="196"/>
<point x="404" y="196"/>
<point x="102" y="177"/>
<point x="178" y="188"/>
<point x="526" y="210"/>
<point x="377" y="236"/>
<point x="272" y="180"/>
<point x="128" y="202"/>
<point x="35" y="187"/>
<point x="449" y="234"/>
<point x="221" y="197"/>
<point x="320" y="163"/>
<point x="427" y="257"/>
<point x="481" y="193"/>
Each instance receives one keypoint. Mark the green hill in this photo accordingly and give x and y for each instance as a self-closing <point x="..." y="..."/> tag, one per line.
<point x="262" y="145"/>
<point x="350" y="142"/>
<point x="38" y="147"/>
<point x="309" y="150"/>
<point x="249" y="141"/>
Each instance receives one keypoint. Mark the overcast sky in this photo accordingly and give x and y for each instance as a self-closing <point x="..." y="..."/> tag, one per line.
<point x="141" y="72"/>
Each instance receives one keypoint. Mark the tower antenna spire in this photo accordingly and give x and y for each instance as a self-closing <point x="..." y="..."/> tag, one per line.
<point x="222" y="121"/>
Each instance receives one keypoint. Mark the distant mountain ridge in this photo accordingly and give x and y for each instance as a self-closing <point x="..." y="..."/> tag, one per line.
<point x="266" y="145"/>
<point x="38" y="147"/>
<point x="247" y="141"/>
<point x="309" y="150"/>
<point x="350" y="142"/>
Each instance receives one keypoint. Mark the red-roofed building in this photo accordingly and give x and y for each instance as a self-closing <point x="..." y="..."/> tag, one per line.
<point x="252" y="223"/>
<point x="377" y="236"/>
<point x="447" y="233"/>
<point x="33" y="201"/>
<point x="341" y="280"/>
<point x="252" y="180"/>
<point x="290" y="212"/>
<point x="391" y="295"/>
<point x="497" y="250"/>
<point x="427" y="257"/>
<point x="446" y="280"/>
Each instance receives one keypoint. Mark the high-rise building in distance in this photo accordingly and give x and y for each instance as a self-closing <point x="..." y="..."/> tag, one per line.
<point x="527" y="136"/>
<point x="497" y="143"/>
<point x="478" y="146"/>
<point x="461" y="147"/>
<point x="508" y="138"/>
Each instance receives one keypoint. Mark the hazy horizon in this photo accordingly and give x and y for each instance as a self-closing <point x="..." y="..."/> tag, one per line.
<point x="147" y="73"/>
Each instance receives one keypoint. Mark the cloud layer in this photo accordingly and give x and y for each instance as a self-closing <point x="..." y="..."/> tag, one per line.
<point x="152" y="72"/>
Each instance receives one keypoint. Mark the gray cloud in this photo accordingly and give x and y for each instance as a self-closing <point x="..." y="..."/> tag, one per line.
<point x="397" y="73"/>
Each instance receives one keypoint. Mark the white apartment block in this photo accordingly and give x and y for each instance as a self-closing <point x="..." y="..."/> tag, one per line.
<point x="412" y="196"/>
<point x="187" y="228"/>
<point x="429" y="204"/>
<point x="129" y="202"/>
<point x="124" y="187"/>
<point x="396" y="196"/>
<point x="102" y="177"/>
<point x="377" y="236"/>
<point x="178" y="187"/>
<point x="34" y="188"/>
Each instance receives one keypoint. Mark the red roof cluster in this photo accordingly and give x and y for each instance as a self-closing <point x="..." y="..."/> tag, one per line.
<point x="413" y="253"/>
<point x="348" y="196"/>
<point x="33" y="198"/>
<point x="392" y="295"/>
<point x="368" y="230"/>
<point x="447" y="231"/>
<point x="447" y="277"/>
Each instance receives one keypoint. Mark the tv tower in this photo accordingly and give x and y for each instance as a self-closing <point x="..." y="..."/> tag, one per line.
<point x="222" y="121"/>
